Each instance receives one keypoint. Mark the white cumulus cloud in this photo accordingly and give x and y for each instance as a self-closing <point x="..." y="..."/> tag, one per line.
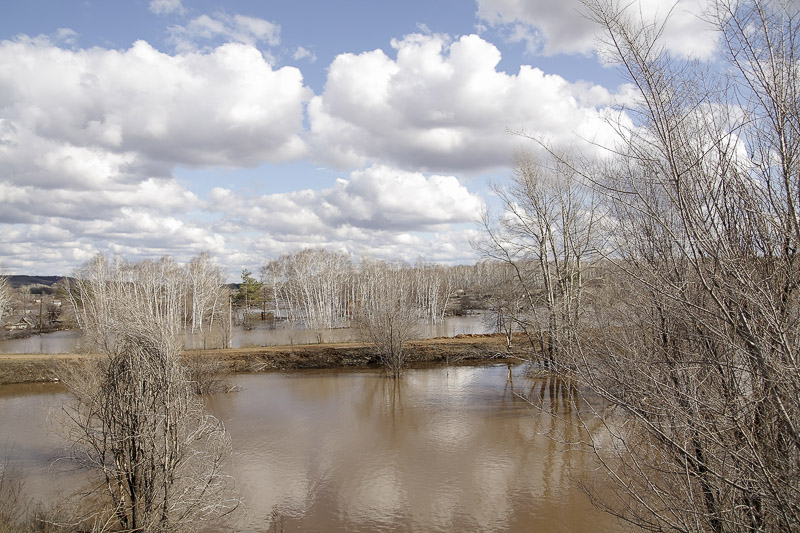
<point x="227" y="107"/>
<point x="89" y="139"/>
<point x="444" y="106"/>
<point x="379" y="197"/>
<point x="379" y="211"/>
<point x="562" y="27"/>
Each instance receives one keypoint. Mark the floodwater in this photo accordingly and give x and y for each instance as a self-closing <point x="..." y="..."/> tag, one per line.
<point x="441" y="449"/>
<point x="260" y="335"/>
<point x="55" y="342"/>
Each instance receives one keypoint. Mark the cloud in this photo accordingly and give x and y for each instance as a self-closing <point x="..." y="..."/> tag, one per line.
<point x="225" y="28"/>
<point x="166" y="7"/>
<point x="55" y="230"/>
<point x="551" y="28"/>
<point x="34" y="205"/>
<point x="382" y="197"/>
<point x="446" y="247"/>
<point x="89" y="139"/>
<point x="58" y="246"/>
<point x="377" y="198"/>
<point x="444" y="106"/>
<point x="227" y="107"/>
<point x="376" y="211"/>
<point x="302" y="53"/>
<point x="66" y="35"/>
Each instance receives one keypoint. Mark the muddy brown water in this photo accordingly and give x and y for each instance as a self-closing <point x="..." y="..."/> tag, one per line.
<point x="441" y="449"/>
<point x="261" y="335"/>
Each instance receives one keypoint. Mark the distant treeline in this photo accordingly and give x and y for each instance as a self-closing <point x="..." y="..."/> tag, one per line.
<point x="17" y="281"/>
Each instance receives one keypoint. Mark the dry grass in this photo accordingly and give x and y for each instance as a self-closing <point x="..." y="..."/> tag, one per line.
<point x="29" y="368"/>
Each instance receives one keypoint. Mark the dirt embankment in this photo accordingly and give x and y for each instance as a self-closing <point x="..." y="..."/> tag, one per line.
<point x="463" y="349"/>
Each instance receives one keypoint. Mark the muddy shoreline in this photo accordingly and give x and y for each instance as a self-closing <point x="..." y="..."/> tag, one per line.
<point x="463" y="349"/>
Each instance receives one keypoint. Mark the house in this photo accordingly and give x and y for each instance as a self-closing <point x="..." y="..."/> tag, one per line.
<point x="22" y="323"/>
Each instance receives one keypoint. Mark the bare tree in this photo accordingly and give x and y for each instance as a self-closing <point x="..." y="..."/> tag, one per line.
<point x="505" y="311"/>
<point x="135" y="418"/>
<point x="433" y="286"/>
<point x="5" y="295"/>
<point x="205" y="290"/>
<point x="386" y="315"/>
<point x="701" y="350"/>
<point x="547" y="234"/>
<point x="313" y="286"/>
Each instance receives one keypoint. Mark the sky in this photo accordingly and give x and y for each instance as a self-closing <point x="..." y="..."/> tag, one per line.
<point x="253" y="129"/>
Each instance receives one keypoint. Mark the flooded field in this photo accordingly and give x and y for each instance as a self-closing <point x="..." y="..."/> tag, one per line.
<point x="260" y="335"/>
<point x="442" y="449"/>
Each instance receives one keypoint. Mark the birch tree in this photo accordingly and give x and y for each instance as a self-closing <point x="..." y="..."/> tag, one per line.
<point x="205" y="283"/>
<point x="313" y="286"/>
<point x="433" y="286"/>
<point x="505" y="311"/>
<point x="5" y="295"/>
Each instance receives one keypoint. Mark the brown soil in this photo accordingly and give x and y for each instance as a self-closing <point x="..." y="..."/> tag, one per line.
<point x="463" y="349"/>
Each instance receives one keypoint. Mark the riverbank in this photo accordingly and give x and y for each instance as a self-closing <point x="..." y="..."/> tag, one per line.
<point x="462" y="349"/>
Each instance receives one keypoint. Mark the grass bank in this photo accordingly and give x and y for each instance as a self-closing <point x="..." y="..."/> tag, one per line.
<point x="463" y="349"/>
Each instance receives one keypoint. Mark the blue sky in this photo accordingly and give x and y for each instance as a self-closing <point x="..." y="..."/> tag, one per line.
<point x="252" y="129"/>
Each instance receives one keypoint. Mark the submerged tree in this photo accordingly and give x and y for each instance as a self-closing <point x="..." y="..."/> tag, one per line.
<point x="701" y="350"/>
<point x="205" y="291"/>
<point x="385" y="314"/>
<point x="135" y="418"/>
<point x="249" y="296"/>
<point x="547" y="235"/>
<point x="506" y="303"/>
<point x="433" y="286"/>
<point x="5" y="295"/>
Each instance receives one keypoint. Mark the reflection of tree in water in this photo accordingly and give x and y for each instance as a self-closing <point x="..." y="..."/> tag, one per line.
<point x="580" y="428"/>
<point x="383" y="398"/>
<point x="441" y="449"/>
<point x="564" y="422"/>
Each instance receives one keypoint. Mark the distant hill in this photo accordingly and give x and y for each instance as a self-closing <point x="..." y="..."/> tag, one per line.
<point x="19" y="281"/>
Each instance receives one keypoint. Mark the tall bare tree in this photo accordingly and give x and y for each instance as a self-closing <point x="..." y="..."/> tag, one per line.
<point x="547" y="234"/>
<point x="313" y="286"/>
<point x="506" y="305"/>
<point x="701" y="349"/>
<point x="5" y="295"/>
<point x="135" y="418"/>
<point x="205" y="288"/>
<point x="433" y="286"/>
<point x="386" y="315"/>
